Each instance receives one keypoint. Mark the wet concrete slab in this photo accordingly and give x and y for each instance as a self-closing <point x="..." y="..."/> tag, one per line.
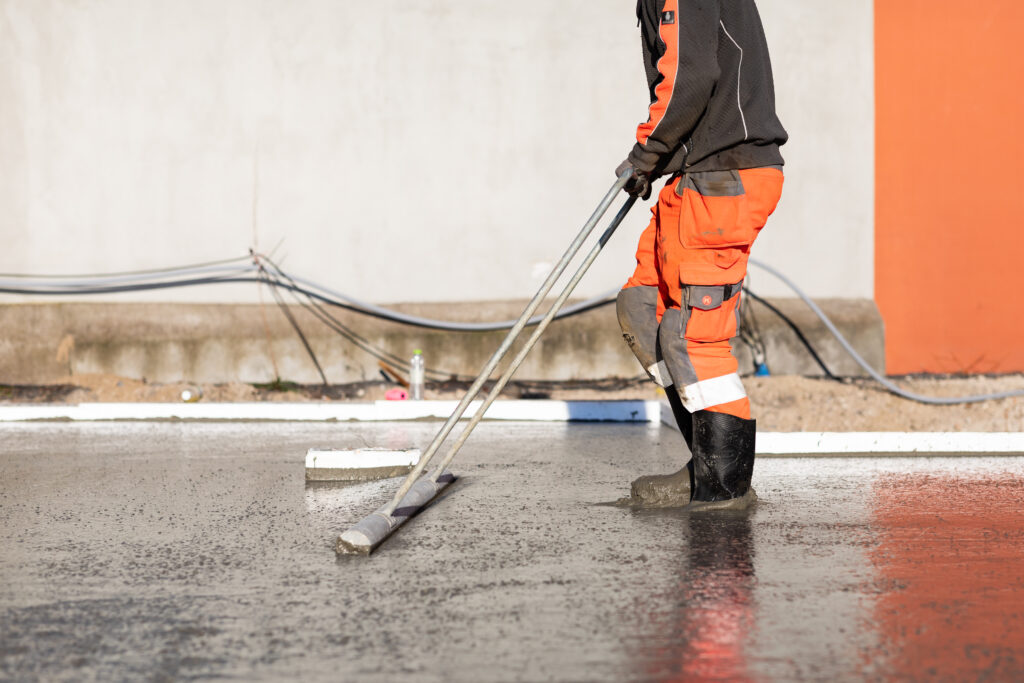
<point x="173" y="550"/>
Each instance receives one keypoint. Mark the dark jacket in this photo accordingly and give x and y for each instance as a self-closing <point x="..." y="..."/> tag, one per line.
<point x="712" y="95"/>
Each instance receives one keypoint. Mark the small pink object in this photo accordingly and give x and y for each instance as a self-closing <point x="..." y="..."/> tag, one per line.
<point x="396" y="395"/>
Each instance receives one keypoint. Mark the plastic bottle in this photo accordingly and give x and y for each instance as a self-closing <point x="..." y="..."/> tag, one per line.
<point x="191" y="395"/>
<point x="416" y="376"/>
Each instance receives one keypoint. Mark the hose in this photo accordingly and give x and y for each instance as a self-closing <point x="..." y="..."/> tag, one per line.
<point x="891" y="386"/>
<point x="150" y="271"/>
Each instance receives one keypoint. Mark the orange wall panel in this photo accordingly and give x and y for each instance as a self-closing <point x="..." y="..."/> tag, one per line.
<point x="949" y="224"/>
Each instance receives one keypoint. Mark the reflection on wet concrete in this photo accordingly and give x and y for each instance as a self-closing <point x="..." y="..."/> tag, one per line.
<point x="166" y="551"/>
<point x="951" y="554"/>
<point x="709" y="613"/>
<point x="720" y="581"/>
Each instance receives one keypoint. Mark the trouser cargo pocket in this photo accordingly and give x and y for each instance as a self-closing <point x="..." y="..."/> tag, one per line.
<point x="712" y="312"/>
<point x="714" y="213"/>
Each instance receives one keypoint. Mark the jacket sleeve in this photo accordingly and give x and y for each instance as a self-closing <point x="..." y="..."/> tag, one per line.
<point x="687" y="63"/>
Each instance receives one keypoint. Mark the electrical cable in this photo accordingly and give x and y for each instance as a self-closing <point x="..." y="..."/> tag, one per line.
<point x="107" y="285"/>
<point x="120" y="289"/>
<point x="345" y="301"/>
<point x="102" y="281"/>
<point x="298" y="330"/>
<point x="346" y="332"/>
<point x="214" y="272"/>
<point x="149" y="271"/>
<point x="796" y="330"/>
<point x="891" y="386"/>
<point x="749" y="334"/>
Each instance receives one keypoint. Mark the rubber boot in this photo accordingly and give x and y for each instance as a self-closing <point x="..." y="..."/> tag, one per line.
<point x="684" y="418"/>
<point x="723" y="461"/>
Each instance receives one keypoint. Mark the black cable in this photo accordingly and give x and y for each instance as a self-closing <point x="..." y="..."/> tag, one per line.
<point x="113" y="289"/>
<point x="150" y="271"/>
<point x="223" y="279"/>
<point x="797" y="332"/>
<point x="384" y="314"/>
<point x="298" y="330"/>
<point x="343" y="330"/>
<point x="750" y="334"/>
<point x="293" y="287"/>
<point x="139" y="287"/>
<point x="348" y="333"/>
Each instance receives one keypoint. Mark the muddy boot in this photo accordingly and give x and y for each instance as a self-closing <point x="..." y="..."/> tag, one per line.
<point x="668" y="490"/>
<point x="662" y="490"/>
<point x="723" y="461"/>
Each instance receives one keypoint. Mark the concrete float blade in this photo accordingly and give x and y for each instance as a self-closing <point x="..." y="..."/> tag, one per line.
<point x="373" y="530"/>
<point x="363" y="464"/>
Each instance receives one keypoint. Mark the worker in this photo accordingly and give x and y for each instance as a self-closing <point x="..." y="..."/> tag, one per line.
<point x="712" y="129"/>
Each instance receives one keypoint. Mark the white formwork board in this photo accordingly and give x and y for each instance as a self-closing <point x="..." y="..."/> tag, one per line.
<point x="881" y="443"/>
<point x="910" y="443"/>
<point x="378" y="411"/>
<point x="360" y="458"/>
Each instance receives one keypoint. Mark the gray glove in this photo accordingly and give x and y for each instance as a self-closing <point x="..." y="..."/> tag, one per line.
<point x="639" y="184"/>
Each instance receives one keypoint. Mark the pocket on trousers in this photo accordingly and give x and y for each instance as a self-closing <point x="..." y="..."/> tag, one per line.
<point x="711" y="320"/>
<point x="714" y="212"/>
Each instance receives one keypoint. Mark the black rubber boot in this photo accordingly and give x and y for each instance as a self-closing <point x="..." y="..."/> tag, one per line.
<point x="684" y="418"/>
<point x="723" y="461"/>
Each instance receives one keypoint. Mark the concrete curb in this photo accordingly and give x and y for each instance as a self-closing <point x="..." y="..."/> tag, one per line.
<point x="214" y="343"/>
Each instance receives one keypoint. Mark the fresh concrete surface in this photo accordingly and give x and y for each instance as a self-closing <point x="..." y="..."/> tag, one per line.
<point x="223" y="342"/>
<point x="374" y="138"/>
<point x="172" y="551"/>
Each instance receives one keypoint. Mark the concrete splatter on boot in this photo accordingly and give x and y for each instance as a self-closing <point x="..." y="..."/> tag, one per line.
<point x="668" y="490"/>
<point x="723" y="461"/>
<point x="662" y="490"/>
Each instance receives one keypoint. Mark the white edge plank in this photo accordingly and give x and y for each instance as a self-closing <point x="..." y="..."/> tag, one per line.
<point x="360" y="458"/>
<point x="519" y="410"/>
<point x="869" y="443"/>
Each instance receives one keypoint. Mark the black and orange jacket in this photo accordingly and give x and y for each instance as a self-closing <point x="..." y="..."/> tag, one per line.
<point x="712" y="95"/>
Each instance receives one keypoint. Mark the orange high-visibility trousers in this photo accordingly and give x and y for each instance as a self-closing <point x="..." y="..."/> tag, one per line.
<point x="695" y="252"/>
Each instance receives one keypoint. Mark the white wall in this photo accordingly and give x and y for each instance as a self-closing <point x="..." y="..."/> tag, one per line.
<point x="427" y="151"/>
<point x="823" y="232"/>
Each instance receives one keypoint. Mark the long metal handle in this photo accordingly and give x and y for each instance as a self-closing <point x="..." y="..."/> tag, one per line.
<point x="538" y="331"/>
<point x="510" y="338"/>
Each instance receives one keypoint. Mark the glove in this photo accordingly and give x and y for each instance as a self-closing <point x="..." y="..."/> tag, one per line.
<point x="639" y="184"/>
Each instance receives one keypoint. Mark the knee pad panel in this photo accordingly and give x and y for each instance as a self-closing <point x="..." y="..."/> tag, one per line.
<point x="637" y="311"/>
